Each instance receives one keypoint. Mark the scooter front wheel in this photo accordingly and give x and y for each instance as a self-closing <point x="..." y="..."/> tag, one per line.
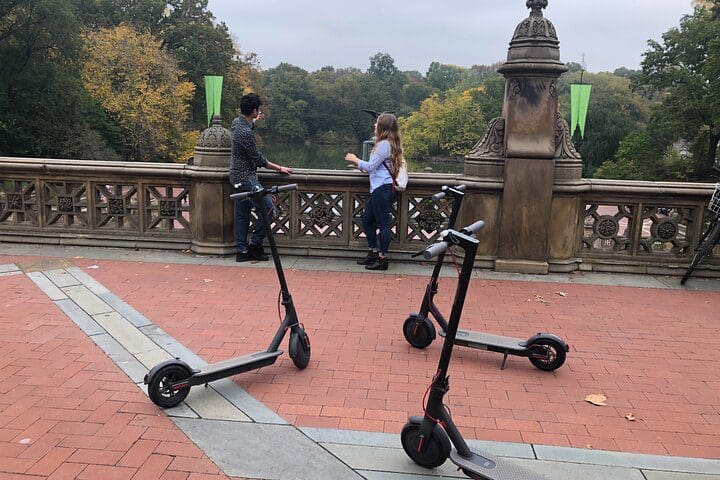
<point x="418" y="333"/>
<point x="547" y="354"/>
<point x="159" y="386"/>
<point x="435" y="450"/>
<point x="299" y="347"/>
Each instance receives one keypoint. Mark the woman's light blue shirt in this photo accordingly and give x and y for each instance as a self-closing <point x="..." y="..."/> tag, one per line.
<point x="379" y="175"/>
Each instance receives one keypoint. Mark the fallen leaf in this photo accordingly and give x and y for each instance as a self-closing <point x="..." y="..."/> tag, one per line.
<point x="596" y="399"/>
<point x="207" y="280"/>
<point x="93" y="267"/>
<point x="540" y="299"/>
<point x="630" y="417"/>
<point x="589" y="447"/>
<point x="78" y="257"/>
<point x="398" y="279"/>
<point x="562" y="294"/>
<point x="25" y="441"/>
<point x="166" y="266"/>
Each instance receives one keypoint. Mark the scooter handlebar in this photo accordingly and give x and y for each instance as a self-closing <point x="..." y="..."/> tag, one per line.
<point x="474" y="228"/>
<point x="280" y="188"/>
<point x="240" y="196"/>
<point x="288" y="187"/>
<point x="441" y="195"/>
<point x="434" y="250"/>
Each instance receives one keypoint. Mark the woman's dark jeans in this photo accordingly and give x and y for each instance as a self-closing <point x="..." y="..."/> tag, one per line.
<point x="377" y="216"/>
<point x="242" y="219"/>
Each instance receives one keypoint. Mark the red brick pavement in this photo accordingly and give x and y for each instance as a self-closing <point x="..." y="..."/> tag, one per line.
<point x="66" y="411"/>
<point x="651" y="352"/>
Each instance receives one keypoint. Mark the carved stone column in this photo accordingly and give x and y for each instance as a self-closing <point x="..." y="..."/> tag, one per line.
<point x="529" y="147"/>
<point x="212" y="212"/>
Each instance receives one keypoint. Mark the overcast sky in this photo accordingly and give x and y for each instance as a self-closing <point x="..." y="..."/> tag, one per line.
<point x="342" y="33"/>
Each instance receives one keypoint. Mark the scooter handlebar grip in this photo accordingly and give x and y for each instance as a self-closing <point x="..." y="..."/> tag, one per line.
<point x="475" y="227"/>
<point x="434" y="250"/>
<point x="240" y="196"/>
<point x="288" y="187"/>
<point x="441" y="195"/>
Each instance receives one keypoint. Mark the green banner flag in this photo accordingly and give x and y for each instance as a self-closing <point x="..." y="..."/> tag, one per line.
<point x="579" y="103"/>
<point x="213" y="95"/>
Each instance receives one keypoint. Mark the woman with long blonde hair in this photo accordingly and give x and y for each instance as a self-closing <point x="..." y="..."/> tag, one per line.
<point x="382" y="167"/>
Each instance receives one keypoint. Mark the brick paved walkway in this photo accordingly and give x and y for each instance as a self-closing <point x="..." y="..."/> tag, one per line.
<point x="650" y="351"/>
<point x="66" y="410"/>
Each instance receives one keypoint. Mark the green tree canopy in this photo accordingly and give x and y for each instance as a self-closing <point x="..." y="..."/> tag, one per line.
<point x="685" y="71"/>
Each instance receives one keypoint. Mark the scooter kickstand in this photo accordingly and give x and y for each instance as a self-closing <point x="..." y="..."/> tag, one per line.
<point x="502" y="365"/>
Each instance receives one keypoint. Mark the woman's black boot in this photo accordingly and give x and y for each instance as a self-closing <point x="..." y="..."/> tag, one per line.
<point x="371" y="258"/>
<point x="380" y="263"/>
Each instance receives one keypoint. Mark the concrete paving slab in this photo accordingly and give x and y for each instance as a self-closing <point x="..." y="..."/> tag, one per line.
<point x="79" y="317"/>
<point x="249" y="405"/>
<point x="47" y="286"/>
<point x="61" y="278"/>
<point x="276" y="452"/>
<point x="9" y="267"/>
<point x="361" y="457"/>
<point x="172" y="346"/>
<point x="389" y="440"/>
<point x="574" y="471"/>
<point x="153" y="357"/>
<point x="122" y="358"/>
<point x="87" y="300"/>
<point x="653" y="475"/>
<point x="182" y="410"/>
<point x="10" y="274"/>
<point x="209" y="404"/>
<point x="135" y="317"/>
<point x="132" y="339"/>
<point x="621" y="459"/>
<point x="87" y="280"/>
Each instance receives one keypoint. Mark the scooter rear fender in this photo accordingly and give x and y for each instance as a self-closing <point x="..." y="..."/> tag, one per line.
<point x="174" y="361"/>
<point x="547" y="336"/>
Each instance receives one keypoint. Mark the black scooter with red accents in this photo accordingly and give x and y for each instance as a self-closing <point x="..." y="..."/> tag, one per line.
<point x="170" y="381"/>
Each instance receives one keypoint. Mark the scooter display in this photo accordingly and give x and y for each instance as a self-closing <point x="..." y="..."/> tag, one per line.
<point x="169" y="382"/>
<point x="544" y="350"/>
<point x="428" y="439"/>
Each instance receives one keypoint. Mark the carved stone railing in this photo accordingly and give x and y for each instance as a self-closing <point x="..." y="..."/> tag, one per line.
<point x="644" y="227"/>
<point x="620" y="226"/>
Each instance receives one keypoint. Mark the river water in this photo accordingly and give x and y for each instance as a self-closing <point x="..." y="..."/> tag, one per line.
<point x="333" y="157"/>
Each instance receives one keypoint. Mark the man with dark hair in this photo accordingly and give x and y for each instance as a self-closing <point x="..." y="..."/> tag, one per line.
<point x="244" y="162"/>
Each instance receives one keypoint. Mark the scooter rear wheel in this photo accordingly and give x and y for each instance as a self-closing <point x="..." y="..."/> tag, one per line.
<point x="159" y="386"/>
<point x="547" y="354"/>
<point x="299" y="348"/>
<point x="418" y="333"/>
<point x="436" y="449"/>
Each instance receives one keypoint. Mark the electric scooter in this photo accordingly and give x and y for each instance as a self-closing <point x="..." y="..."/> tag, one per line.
<point x="427" y="439"/>
<point x="544" y="350"/>
<point x="170" y="381"/>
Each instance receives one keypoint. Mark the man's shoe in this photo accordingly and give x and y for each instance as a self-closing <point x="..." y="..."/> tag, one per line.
<point x="369" y="259"/>
<point x="257" y="253"/>
<point x="243" y="257"/>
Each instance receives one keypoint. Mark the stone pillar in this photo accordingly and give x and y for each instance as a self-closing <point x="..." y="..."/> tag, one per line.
<point x="212" y="213"/>
<point x="522" y="145"/>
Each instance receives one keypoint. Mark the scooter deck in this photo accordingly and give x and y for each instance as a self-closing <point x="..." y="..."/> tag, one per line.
<point x="236" y="365"/>
<point x="469" y="338"/>
<point x="493" y="468"/>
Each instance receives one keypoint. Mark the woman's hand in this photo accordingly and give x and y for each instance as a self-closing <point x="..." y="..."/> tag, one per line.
<point x="352" y="158"/>
<point x="285" y="170"/>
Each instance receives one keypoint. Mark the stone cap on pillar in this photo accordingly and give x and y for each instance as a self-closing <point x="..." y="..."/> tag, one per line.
<point x="214" y="145"/>
<point x="534" y="48"/>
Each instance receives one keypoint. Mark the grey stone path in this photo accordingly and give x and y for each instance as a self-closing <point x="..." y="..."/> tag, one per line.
<point x="245" y="438"/>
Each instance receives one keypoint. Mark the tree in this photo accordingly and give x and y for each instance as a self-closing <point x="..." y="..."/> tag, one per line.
<point x="141" y="87"/>
<point x="685" y="71"/>
<point x="444" y="77"/>
<point x="444" y="126"/>
<point x="44" y="109"/>
<point x="382" y="67"/>
<point x="614" y="112"/>
<point x="287" y="111"/>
